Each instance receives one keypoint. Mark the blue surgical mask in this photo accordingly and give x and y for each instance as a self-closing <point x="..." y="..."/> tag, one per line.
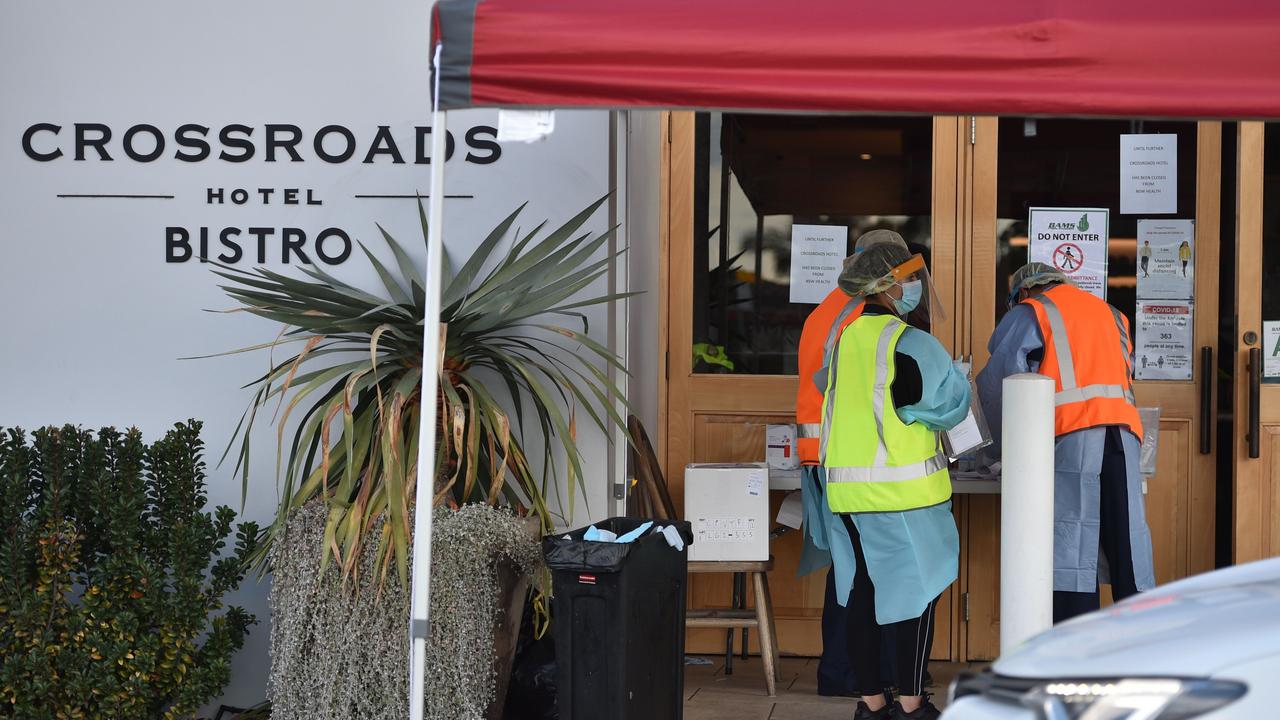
<point x="911" y="292"/>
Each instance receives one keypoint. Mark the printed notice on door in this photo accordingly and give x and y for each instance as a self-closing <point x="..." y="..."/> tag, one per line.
<point x="1148" y="174"/>
<point x="1074" y="240"/>
<point x="1163" y="341"/>
<point x="1271" y="348"/>
<point x="1166" y="261"/>
<point x="817" y="255"/>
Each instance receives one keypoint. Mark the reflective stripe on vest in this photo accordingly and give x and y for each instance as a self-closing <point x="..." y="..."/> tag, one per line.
<point x="1071" y="392"/>
<point x="1122" y="327"/>
<point x="1093" y="369"/>
<point x="861" y="479"/>
<point x="809" y="430"/>
<point x="888" y="474"/>
<point x="824" y="373"/>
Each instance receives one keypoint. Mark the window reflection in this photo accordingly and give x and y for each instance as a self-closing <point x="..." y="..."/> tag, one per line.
<point x="756" y="175"/>
<point x="1076" y="163"/>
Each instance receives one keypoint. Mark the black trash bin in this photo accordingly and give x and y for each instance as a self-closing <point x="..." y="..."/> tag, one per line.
<point x="617" y="617"/>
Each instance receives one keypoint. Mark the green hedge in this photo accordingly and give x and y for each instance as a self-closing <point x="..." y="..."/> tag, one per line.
<point x="112" y="576"/>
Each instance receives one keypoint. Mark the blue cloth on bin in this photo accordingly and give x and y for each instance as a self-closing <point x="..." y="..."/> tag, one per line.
<point x="634" y="534"/>
<point x="595" y="534"/>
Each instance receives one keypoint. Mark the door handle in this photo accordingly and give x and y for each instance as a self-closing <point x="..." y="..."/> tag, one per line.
<point x="1207" y="375"/>
<point x="1255" y="402"/>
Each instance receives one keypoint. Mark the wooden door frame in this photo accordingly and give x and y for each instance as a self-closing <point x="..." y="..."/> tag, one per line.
<point x="685" y="395"/>
<point x="676" y="280"/>
<point x="1252" y="498"/>
<point x="1195" y="551"/>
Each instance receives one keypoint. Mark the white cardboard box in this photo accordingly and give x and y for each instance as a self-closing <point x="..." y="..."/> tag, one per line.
<point x="728" y="506"/>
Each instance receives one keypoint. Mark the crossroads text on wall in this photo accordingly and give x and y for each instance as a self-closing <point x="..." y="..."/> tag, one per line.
<point x="48" y="142"/>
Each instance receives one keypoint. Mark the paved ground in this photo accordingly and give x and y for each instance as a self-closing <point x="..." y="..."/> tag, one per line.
<point x="711" y="695"/>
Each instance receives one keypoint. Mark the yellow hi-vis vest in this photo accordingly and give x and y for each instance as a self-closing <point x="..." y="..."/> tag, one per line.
<point x="874" y="461"/>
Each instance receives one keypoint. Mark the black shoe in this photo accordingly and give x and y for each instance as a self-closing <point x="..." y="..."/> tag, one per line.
<point x="926" y="711"/>
<point x="865" y="713"/>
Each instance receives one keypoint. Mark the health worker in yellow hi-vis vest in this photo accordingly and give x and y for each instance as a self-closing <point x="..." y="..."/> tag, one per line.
<point x="826" y="543"/>
<point x="1100" y="532"/>
<point x="892" y="388"/>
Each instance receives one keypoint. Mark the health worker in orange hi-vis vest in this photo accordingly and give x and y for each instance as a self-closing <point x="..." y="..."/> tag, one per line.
<point x="1100" y="525"/>
<point x="817" y="339"/>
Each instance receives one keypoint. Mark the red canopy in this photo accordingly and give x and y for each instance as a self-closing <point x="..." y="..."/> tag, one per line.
<point x="1129" y="58"/>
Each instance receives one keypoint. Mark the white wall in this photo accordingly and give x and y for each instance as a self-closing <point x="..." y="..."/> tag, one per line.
<point x="644" y="164"/>
<point x="96" y="319"/>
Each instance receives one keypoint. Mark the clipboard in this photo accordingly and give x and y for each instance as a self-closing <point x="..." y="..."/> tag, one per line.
<point x="972" y="434"/>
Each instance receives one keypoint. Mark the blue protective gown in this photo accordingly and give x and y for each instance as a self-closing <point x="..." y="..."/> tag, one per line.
<point x="1017" y="347"/>
<point x="911" y="556"/>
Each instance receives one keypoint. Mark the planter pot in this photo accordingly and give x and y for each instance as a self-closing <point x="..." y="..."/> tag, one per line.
<point x="513" y="588"/>
<point x="341" y="651"/>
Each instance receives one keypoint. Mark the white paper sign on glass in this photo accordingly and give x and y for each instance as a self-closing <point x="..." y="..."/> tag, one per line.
<point x="1271" y="348"/>
<point x="525" y="125"/>
<point x="817" y="255"/>
<point x="1148" y="174"/>
<point x="1074" y="240"/>
<point x="1164" y="340"/>
<point x="1166" y="259"/>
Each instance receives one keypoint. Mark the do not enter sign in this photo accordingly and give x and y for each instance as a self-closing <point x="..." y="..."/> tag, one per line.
<point x="1068" y="257"/>
<point x="1073" y="240"/>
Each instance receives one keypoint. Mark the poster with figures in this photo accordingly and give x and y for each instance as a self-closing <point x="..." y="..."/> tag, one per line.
<point x="1074" y="240"/>
<point x="1166" y="259"/>
<point x="1163" y="340"/>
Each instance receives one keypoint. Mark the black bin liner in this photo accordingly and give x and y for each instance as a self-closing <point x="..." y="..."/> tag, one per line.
<point x="618" y="623"/>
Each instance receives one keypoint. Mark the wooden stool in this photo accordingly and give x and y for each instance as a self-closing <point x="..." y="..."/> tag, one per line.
<point x="761" y="618"/>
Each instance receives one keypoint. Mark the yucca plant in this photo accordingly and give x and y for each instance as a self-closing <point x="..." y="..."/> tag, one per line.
<point x="353" y="389"/>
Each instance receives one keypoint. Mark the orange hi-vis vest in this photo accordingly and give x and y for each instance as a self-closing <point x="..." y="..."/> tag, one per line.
<point x="817" y="340"/>
<point x="1087" y="351"/>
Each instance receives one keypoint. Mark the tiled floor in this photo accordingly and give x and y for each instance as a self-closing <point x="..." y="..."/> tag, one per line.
<point x="711" y="695"/>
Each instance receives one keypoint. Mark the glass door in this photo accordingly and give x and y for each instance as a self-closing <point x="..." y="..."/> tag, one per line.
<point x="1076" y="171"/>
<point x="1256" y="445"/>
<point x="741" y="189"/>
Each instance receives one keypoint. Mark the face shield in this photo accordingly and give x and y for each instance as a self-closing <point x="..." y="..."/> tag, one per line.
<point x="913" y="295"/>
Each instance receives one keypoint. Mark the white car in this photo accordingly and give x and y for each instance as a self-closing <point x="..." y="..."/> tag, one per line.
<point x="1207" y="647"/>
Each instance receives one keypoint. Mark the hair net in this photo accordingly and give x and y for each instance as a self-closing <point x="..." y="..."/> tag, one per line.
<point x="868" y="272"/>
<point x="875" y="237"/>
<point x="1033" y="274"/>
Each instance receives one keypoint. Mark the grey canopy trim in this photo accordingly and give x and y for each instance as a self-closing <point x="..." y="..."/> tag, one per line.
<point x="456" y="25"/>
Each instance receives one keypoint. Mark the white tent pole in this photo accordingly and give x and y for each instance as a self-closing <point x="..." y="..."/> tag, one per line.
<point x="1026" y="509"/>
<point x="419" y="624"/>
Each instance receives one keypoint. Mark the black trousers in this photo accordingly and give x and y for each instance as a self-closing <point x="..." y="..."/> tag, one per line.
<point x="1113" y="535"/>
<point x="913" y="638"/>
